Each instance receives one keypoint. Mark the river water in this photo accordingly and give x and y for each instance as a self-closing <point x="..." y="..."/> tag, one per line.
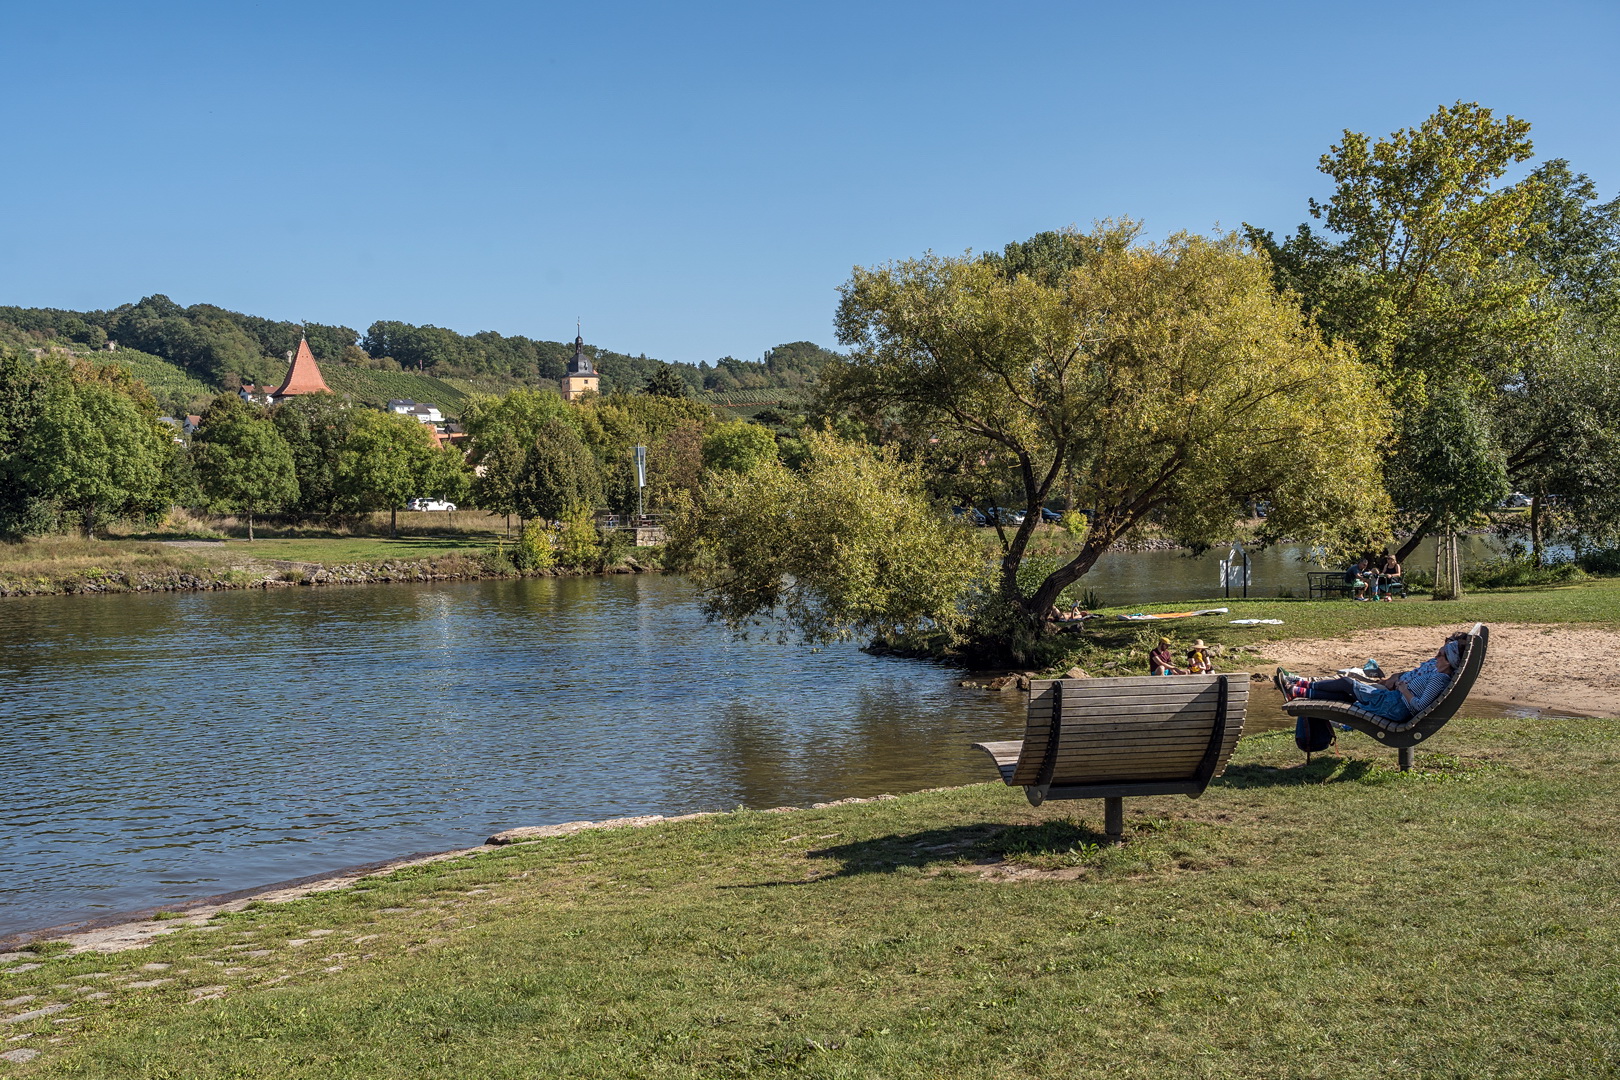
<point x="165" y="747"/>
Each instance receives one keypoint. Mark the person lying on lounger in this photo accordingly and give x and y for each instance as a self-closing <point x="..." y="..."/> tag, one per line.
<point x="1396" y="698"/>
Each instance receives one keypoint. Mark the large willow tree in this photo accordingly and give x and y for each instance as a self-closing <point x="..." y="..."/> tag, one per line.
<point x="1165" y="382"/>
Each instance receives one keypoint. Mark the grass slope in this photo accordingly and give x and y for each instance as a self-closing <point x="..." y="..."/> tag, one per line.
<point x="1341" y="920"/>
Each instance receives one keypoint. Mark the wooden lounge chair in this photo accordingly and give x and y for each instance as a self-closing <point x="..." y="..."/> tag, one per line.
<point x="1405" y="734"/>
<point x="1111" y="739"/>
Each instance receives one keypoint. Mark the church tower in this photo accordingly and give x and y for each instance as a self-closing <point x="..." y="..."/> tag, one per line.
<point x="582" y="378"/>
<point x="303" y="375"/>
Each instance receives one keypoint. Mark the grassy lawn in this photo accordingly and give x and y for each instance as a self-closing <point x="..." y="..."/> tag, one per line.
<point x="1342" y="920"/>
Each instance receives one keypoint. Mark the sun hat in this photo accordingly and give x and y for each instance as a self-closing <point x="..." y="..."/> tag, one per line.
<point x="1199" y="644"/>
<point x="1164" y="641"/>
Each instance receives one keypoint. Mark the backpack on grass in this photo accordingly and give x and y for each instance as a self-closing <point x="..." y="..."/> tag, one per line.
<point x="1312" y="734"/>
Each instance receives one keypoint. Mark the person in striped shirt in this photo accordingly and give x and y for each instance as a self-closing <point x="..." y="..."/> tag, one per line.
<point x="1396" y="698"/>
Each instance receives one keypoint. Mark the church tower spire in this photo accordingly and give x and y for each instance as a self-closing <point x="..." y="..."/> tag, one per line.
<point x="581" y="377"/>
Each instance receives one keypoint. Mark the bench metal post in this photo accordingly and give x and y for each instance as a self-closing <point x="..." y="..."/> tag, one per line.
<point x="1408" y="755"/>
<point x="1114" y="820"/>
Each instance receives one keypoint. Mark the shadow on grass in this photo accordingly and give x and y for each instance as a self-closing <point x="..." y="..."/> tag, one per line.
<point x="1322" y="769"/>
<point x="982" y="843"/>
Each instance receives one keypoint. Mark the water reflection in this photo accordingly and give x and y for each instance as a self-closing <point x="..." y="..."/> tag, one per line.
<point x="164" y="747"/>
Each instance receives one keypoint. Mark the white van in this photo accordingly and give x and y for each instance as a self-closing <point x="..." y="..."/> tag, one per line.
<point x="429" y="504"/>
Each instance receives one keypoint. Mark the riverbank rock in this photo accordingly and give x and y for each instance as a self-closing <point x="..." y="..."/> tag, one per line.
<point x="1075" y="673"/>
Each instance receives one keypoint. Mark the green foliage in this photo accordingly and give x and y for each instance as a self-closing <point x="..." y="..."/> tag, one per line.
<point x="1160" y="383"/>
<point x="738" y="446"/>
<point x="315" y="428"/>
<point x="1447" y="466"/>
<point x="1600" y="561"/>
<point x="851" y="544"/>
<point x="1518" y="569"/>
<point x="578" y="545"/>
<point x="537" y="548"/>
<point x="243" y="464"/>
<point x="1415" y="282"/>
<point x="670" y="428"/>
<point x="82" y="439"/>
<point x="557" y="476"/>
<point x="386" y="460"/>
<point x="667" y="382"/>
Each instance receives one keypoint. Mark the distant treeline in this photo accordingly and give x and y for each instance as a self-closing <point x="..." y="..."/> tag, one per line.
<point x="215" y="345"/>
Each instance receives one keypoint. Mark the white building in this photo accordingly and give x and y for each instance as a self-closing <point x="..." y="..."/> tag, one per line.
<point x="427" y="414"/>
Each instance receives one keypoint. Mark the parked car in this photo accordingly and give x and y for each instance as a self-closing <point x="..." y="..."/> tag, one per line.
<point x="1516" y="501"/>
<point x="1006" y="515"/>
<point x="429" y="504"/>
<point x="971" y="513"/>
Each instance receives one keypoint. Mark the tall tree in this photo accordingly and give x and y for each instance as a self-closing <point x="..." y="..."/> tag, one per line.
<point x="738" y="446"/>
<point x="93" y="448"/>
<point x="558" y="477"/>
<point x="315" y="427"/>
<point x="386" y="461"/>
<point x="1421" y="273"/>
<point x="1170" y="382"/>
<point x="243" y="464"/>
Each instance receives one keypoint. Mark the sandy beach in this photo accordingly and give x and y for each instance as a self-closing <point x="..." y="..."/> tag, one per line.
<point x="1561" y="669"/>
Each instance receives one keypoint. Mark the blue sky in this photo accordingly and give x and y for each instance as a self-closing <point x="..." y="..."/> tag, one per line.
<point x="696" y="180"/>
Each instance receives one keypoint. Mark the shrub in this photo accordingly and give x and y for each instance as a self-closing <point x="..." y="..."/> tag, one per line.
<point x="1516" y="569"/>
<point x="537" y="548"/>
<point x="1604" y="562"/>
<point x="577" y="545"/>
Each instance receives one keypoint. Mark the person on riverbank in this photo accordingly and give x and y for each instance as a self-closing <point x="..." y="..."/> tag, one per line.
<point x="1198" y="659"/>
<point x="1395" y="698"/>
<point x="1161" y="661"/>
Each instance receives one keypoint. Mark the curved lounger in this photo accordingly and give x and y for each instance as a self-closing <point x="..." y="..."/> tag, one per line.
<point x="1112" y="739"/>
<point x="1407" y="733"/>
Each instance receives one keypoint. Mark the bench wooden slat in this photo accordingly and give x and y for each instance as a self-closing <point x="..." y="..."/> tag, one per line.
<point x="1136" y="728"/>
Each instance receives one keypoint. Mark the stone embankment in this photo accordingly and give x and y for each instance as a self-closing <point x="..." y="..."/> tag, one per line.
<point x="280" y="573"/>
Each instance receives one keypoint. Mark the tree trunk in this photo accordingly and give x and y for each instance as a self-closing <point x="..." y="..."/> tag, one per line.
<point x="393" y="522"/>
<point x="1405" y="550"/>
<point x="1439" y="565"/>
<point x="1040" y="605"/>
<point x="88" y="524"/>
<point x="1536" y="506"/>
<point x="250" y="526"/>
<point x="1456" y="570"/>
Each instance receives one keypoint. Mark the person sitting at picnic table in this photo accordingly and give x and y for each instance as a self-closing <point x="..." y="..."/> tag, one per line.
<point x="1395" y="698"/>
<point x="1356" y="577"/>
<point x="1389" y="572"/>
<point x="1161" y="661"/>
<point x="1198" y="661"/>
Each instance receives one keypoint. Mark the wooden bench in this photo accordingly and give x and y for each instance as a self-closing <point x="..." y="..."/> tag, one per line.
<point x="1403" y="735"/>
<point x="1326" y="583"/>
<point x="1113" y="739"/>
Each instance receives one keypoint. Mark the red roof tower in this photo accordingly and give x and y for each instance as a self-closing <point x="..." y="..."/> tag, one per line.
<point x="303" y="377"/>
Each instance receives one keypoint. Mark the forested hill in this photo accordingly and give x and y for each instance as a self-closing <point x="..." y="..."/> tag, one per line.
<point x="220" y="347"/>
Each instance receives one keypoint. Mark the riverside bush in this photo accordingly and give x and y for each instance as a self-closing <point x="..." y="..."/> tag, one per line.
<point x="1601" y="562"/>
<point x="537" y="548"/>
<point x="1517" y="569"/>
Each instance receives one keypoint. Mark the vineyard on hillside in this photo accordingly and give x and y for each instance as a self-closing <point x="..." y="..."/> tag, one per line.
<point x="730" y="399"/>
<point x="367" y="387"/>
